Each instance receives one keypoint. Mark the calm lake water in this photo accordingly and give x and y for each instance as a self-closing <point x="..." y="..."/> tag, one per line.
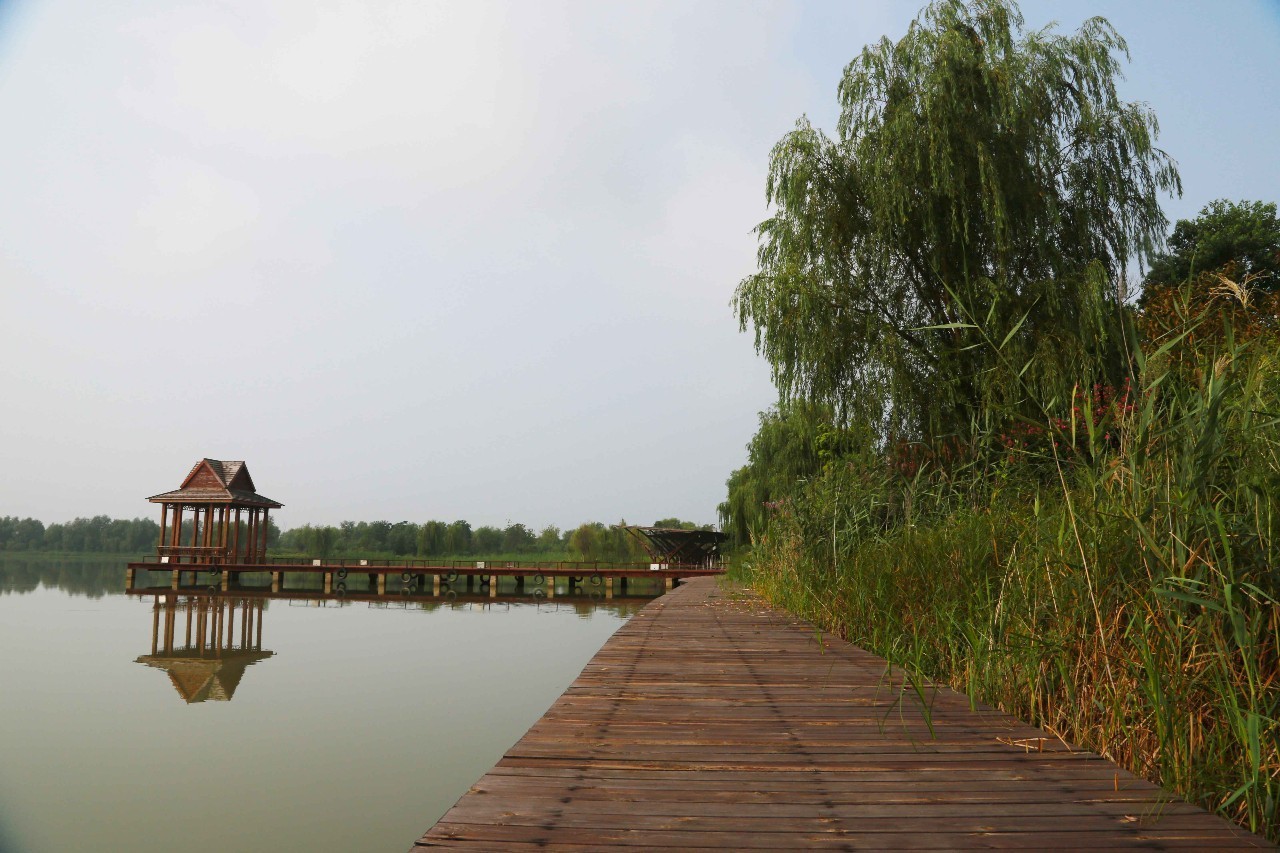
<point x="362" y="726"/>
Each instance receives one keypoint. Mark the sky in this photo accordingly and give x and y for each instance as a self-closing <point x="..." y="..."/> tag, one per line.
<point x="416" y="260"/>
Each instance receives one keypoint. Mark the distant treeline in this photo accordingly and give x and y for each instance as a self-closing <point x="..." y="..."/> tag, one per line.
<point x="589" y="541"/>
<point x="99" y="534"/>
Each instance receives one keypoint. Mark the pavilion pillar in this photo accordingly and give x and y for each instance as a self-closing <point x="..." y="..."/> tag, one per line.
<point x="235" y="539"/>
<point x="266" y="529"/>
<point x="195" y="525"/>
<point x="258" y="644"/>
<point x="250" y="537"/>
<point x="155" y="625"/>
<point x="168" y="625"/>
<point x="164" y="525"/>
<point x="222" y="532"/>
<point x="176" y="539"/>
<point x="202" y="613"/>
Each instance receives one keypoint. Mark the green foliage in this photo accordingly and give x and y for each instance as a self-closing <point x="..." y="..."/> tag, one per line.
<point x="1129" y="604"/>
<point x="99" y="534"/>
<point x="595" y="541"/>
<point x="792" y="444"/>
<point x="953" y="248"/>
<point x="1245" y="234"/>
<point x="382" y="539"/>
<point x="979" y="470"/>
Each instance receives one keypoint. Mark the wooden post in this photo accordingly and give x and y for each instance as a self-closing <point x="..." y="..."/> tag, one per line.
<point x="608" y="587"/>
<point x="250" y="534"/>
<point x="226" y="581"/>
<point x="230" y="632"/>
<point x="258" y="644"/>
<point x="218" y="623"/>
<point x="670" y="584"/>
<point x="168" y="626"/>
<point x="128" y="578"/>
<point x="202" y="613"/>
<point x="328" y="582"/>
<point x="493" y="586"/>
<point x="235" y="539"/>
<point x="435" y="585"/>
<point x="551" y="586"/>
<point x="266" y="530"/>
<point x="275" y="581"/>
<point x="382" y="584"/>
<point x="190" y="606"/>
<point x="222" y="531"/>
<point x="164" y="525"/>
<point x="155" y="625"/>
<point x="176" y="540"/>
<point x="176" y="578"/>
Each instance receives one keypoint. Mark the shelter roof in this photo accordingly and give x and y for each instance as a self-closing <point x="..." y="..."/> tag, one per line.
<point x="677" y="545"/>
<point x="216" y="481"/>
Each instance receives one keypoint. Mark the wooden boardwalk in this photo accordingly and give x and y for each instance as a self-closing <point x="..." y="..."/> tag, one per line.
<point x="712" y="721"/>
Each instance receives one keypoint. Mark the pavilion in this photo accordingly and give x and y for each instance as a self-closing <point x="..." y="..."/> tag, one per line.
<point x="229" y="518"/>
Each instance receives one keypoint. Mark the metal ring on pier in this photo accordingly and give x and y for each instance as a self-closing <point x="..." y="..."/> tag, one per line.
<point x="452" y="595"/>
<point x="212" y="588"/>
<point x="451" y="577"/>
<point x="596" y="594"/>
<point x="539" y="593"/>
<point x="406" y="590"/>
<point x="406" y="576"/>
<point x="342" y="574"/>
<point x="538" y="578"/>
<point x="595" y="580"/>
<point x="340" y="589"/>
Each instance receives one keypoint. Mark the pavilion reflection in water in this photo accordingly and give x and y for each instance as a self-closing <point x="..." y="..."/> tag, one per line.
<point x="221" y="637"/>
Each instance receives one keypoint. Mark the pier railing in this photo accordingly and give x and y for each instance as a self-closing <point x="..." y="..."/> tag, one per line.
<point x="190" y="556"/>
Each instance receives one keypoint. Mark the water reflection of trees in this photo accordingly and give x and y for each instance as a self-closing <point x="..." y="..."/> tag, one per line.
<point x="93" y="577"/>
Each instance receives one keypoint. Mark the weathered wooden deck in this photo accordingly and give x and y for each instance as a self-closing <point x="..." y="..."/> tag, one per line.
<point x="712" y="721"/>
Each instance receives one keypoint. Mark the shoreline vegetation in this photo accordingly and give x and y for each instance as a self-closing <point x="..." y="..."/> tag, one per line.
<point x="989" y="464"/>
<point x="380" y="540"/>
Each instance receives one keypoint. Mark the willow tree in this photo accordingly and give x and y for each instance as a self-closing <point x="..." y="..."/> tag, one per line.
<point x="954" y="249"/>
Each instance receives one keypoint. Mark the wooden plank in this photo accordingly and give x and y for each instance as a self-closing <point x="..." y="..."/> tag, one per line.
<point x="710" y="721"/>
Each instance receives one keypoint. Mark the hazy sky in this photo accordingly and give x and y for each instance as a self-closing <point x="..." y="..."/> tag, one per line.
<point x="420" y="260"/>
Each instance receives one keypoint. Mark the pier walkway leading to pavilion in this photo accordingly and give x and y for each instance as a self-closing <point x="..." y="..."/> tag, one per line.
<point x="711" y="720"/>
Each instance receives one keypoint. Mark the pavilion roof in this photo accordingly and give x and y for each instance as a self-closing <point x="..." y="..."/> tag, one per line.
<point x="216" y="481"/>
<point x="200" y="677"/>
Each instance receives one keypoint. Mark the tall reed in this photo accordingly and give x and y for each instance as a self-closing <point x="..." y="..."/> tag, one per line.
<point x="1112" y="576"/>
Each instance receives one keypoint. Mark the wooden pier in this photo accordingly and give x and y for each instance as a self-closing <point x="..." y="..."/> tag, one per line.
<point x="432" y="577"/>
<point x="713" y="721"/>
